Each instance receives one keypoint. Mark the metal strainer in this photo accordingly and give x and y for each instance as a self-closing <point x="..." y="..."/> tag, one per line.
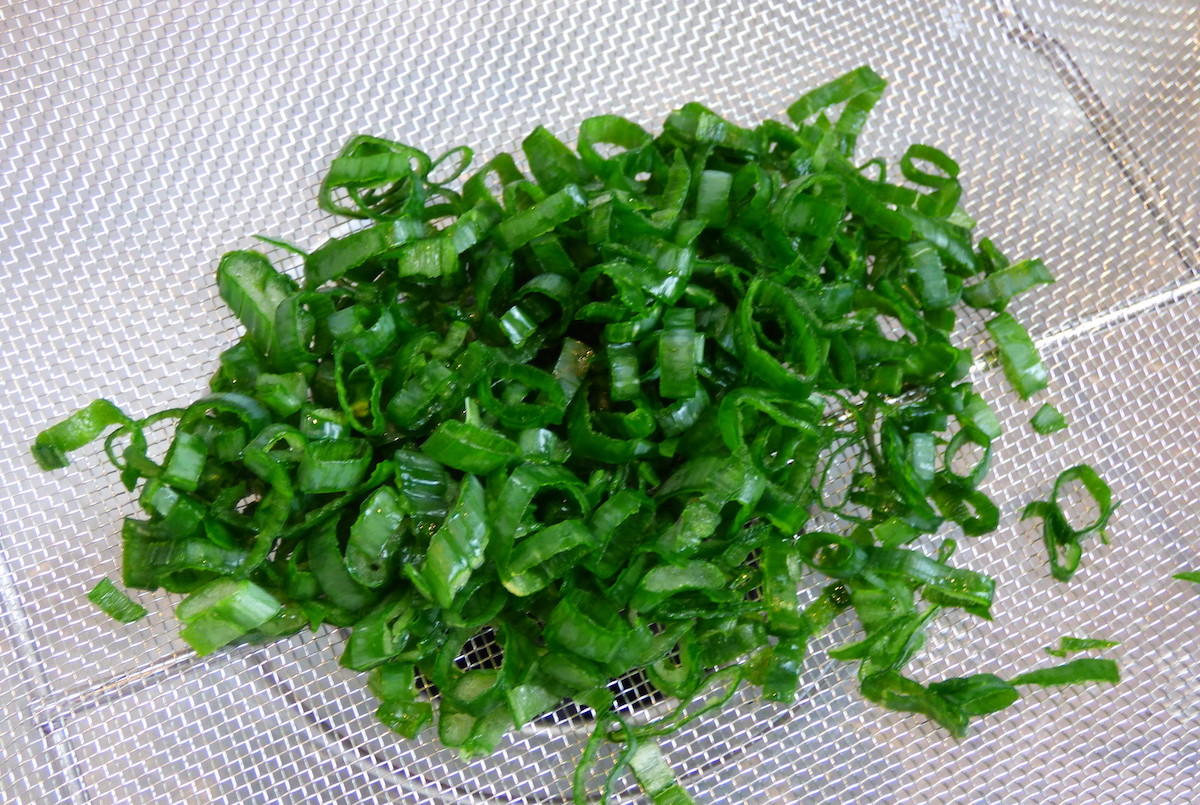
<point x="142" y="139"/>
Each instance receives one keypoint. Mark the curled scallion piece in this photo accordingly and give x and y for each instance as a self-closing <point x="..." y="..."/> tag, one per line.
<point x="1062" y="540"/>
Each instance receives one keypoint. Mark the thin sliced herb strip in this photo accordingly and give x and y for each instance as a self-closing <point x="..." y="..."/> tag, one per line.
<point x="1018" y="355"/>
<point x="115" y="603"/>
<point x="585" y="414"/>
<point x="1071" y="673"/>
<point x="1073" y="645"/>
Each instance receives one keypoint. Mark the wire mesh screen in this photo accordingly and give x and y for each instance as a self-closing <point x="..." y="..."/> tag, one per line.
<point x="143" y="139"/>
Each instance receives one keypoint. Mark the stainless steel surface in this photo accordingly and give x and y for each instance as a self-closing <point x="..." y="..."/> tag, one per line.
<point x="140" y="140"/>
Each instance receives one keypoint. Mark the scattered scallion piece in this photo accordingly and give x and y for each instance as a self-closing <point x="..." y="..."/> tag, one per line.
<point x="1018" y="355"/>
<point x="1062" y="540"/>
<point x="1073" y="645"/>
<point x="996" y="289"/>
<point x="1071" y="673"/>
<point x="115" y="603"/>
<point x="1048" y="419"/>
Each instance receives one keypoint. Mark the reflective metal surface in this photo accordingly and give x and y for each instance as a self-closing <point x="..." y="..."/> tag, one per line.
<point x="141" y="140"/>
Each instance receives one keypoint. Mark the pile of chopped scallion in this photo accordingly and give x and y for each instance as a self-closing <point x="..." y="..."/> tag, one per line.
<point x="592" y="410"/>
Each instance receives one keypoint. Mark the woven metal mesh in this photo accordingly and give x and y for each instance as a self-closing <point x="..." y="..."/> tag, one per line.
<point x="142" y="139"/>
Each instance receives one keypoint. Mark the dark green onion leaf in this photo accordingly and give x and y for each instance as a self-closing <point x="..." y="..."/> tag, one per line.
<point x="975" y="695"/>
<point x="435" y="259"/>
<point x="253" y="289"/>
<point x="1018" y="355"/>
<point x="374" y="538"/>
<point x="554" y="210"/>
<point x="679" y="353"/>
<point x="1071" y="673"/>
<point x="897" y="692"/>
<point x="52" y="445"/>
<point x="552" y="163"/>
<point x="542" y="557"/>
<point x="328" y="565"/>
<point x="380" y="178"/>
<point x="469" y="448"/>
<point x="344" y="254"/>
<point x="115" y="603"/>
<point x="996" y="289"/>
<point x="1048" y="420"/>
<point x="860" y="89"/>
<point x="1071" y="645"/>
<point x="333" y="465"/>
<point x="400" y="708"/>
<point x="457" y="548"/>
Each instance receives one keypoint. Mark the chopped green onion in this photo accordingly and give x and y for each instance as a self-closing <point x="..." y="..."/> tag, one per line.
<point x="223" y="611"/>
<point x="469" y="448"/>
<point x="1018" y="355"/>
<point x="996" y="289"/>
<point x="1061" y="539"/>
<point x="1072" y="645"/>
<point x="333" y="465"/>
<point x="375" y="537"/>
<point x="1048" y="420"/>
<point x="655" y="777"/>
<point x="115" y="603"/>
<point x="254" y="291"/>
<point x="1071" y="673"/>
<point x="457" y="548"/>
<point x="52" y="445"/>
<point x="586" y="415"/>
